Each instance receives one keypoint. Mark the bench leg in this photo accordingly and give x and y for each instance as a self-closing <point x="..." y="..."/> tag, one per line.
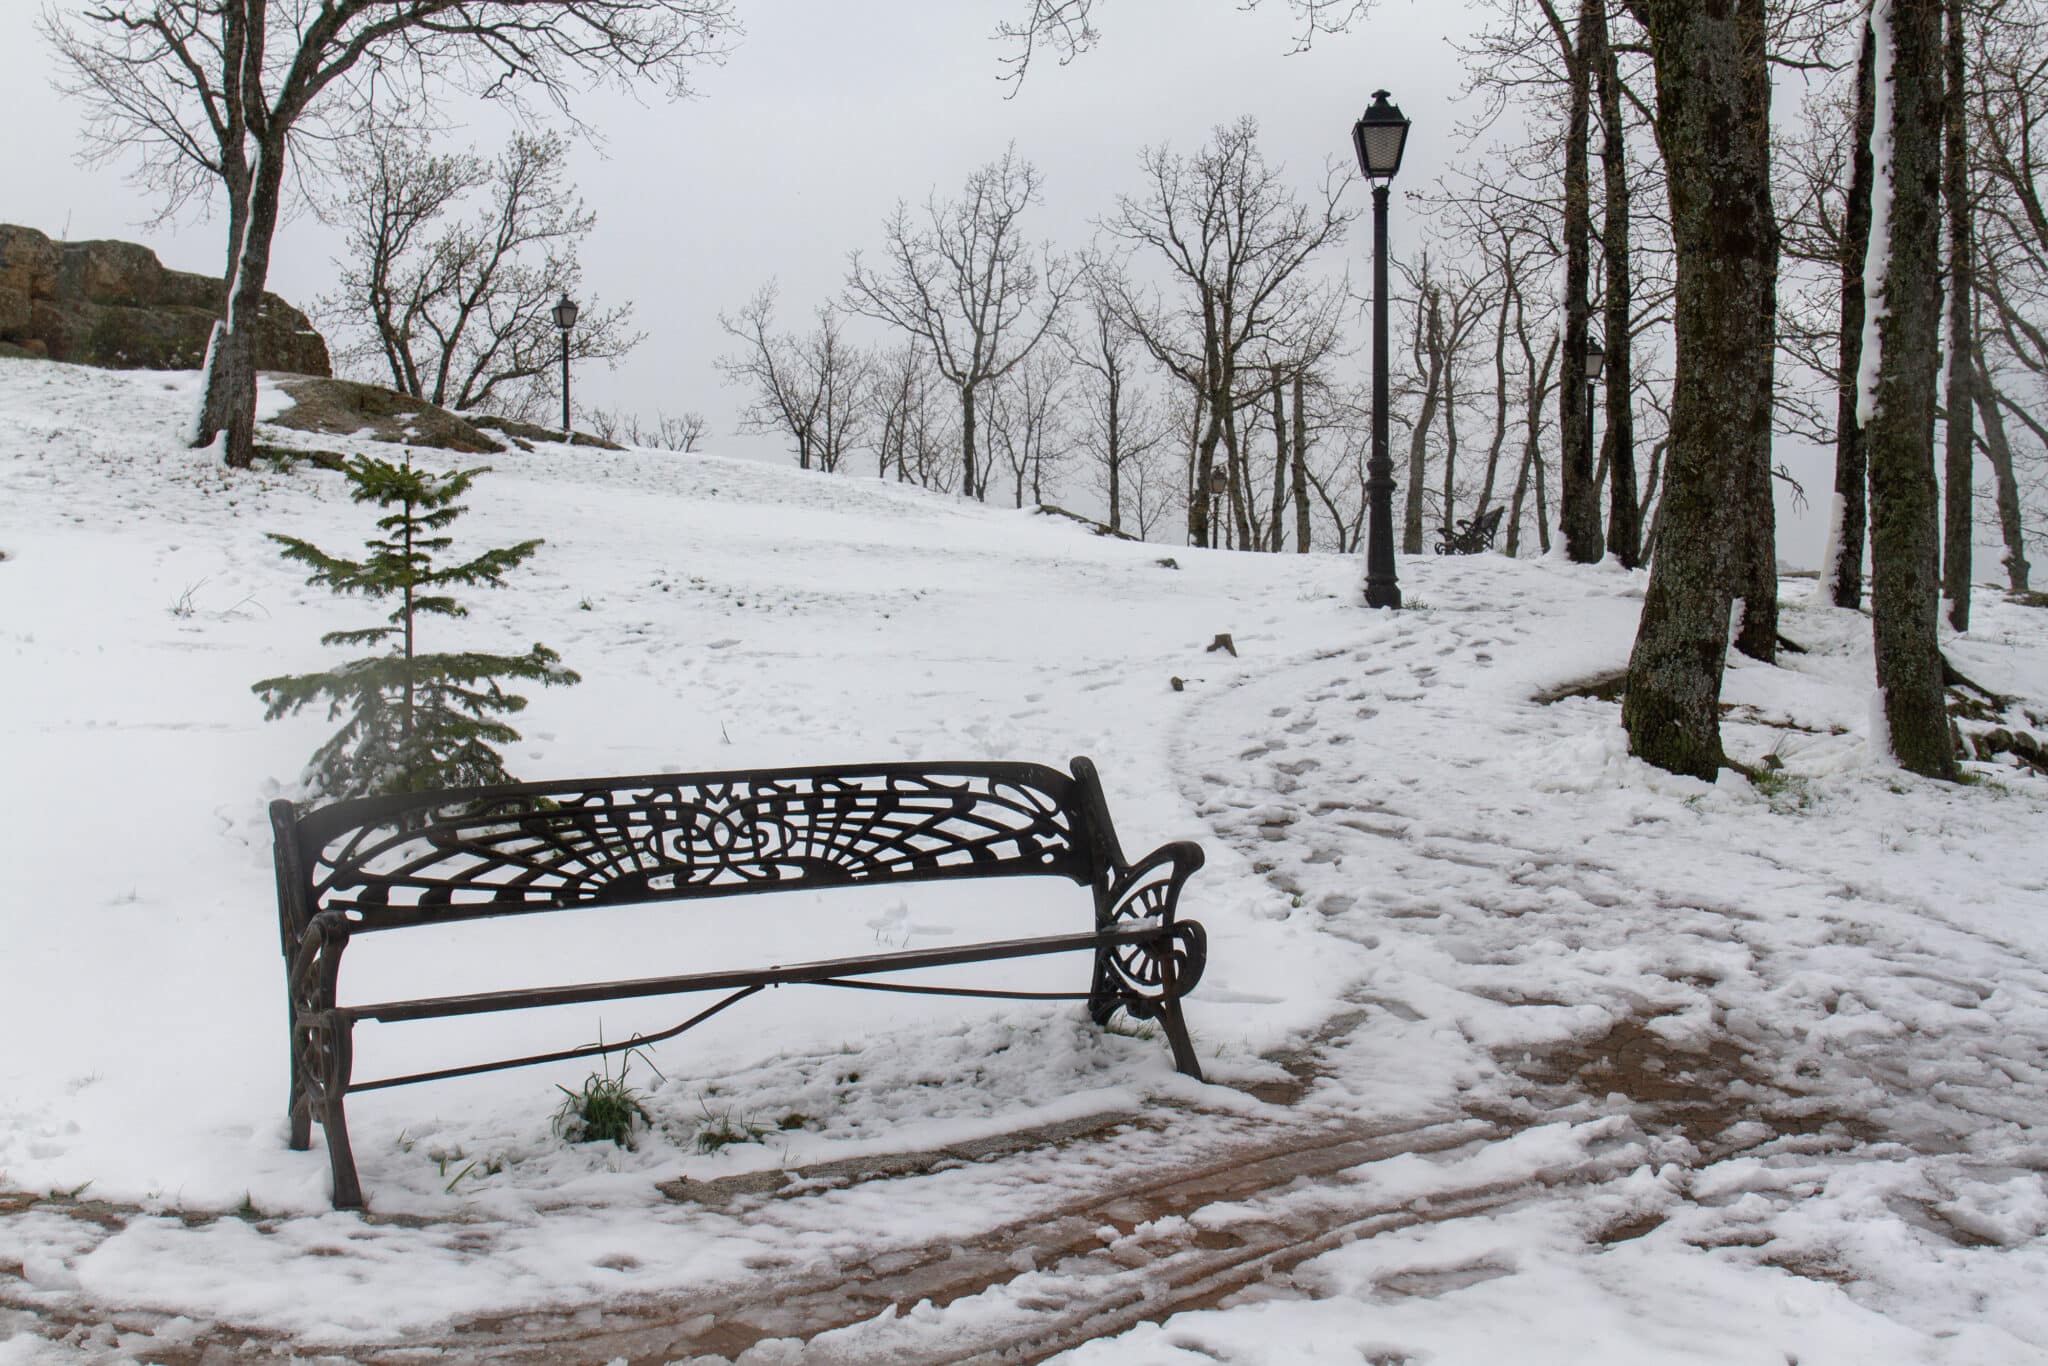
<point x="348" y="1191"/>
<point x="300" y="1111"/>
<point x="1177" y="1035"/>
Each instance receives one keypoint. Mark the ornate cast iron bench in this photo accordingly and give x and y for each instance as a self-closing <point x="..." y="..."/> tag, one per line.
<point x="429" y="858"/>
<point x="1471" y="537"/>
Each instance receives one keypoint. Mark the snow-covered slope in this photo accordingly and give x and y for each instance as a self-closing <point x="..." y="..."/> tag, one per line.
<point x="1790" y="1042"/>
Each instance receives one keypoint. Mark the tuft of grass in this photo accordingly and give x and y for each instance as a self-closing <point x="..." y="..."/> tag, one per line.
<point x="721" y="1130"/>
<point x="605" y="1108"/>
<point x="184" y="606"/>
<point x="483" y="1166"/>
<point x="1125" y="1026"/>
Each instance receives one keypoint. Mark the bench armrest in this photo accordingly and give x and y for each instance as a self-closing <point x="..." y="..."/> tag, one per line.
<point x="1145" y="978"/>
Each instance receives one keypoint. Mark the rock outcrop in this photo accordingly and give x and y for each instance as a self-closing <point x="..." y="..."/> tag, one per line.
<point x="341" y="407"/>
<point x="113" y="304"/>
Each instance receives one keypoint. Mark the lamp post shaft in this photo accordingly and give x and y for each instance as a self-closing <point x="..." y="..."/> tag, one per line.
<point x="1592" y="448"/>
<point x="1381" y="587"/>
<point x="565" y="383"/>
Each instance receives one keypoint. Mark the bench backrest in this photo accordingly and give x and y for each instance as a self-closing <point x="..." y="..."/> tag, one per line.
<point x="421" y="858"/>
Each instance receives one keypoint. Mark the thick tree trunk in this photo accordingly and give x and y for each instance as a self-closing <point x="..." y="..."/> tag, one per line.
<point x="1958" y="475"/>
<point x="1712" y="87"/>
<point x="1205" y="466"/>
<point x="1998" y="451"/>
<point x="1578" y="495"/>
<point x="1904" y="506"/>
<point x="229" y="402"/>
<point x="1842" y="566"/>
<point x="1624" y="531"/>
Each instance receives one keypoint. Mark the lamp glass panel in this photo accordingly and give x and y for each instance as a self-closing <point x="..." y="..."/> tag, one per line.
<point x="1383" y="146"/>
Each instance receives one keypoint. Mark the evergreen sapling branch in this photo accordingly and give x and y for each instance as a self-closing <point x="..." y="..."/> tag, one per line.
<point x="411" y="721"/>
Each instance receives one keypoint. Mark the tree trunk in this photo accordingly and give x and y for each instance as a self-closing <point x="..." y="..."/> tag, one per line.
<point x="230" y="397"/>
<point x="1116" y="450"/>
<point x="1429" y="327"/>
<point x="1904" y="507"/>
<point x="967" y="465"/>
<point x="1998" y="451"/>
<point x="1276" y="526"/>
<point x="1842" y="563"/>
<point x="1235" y="487"/>
<point x="1199" y="520"/>
<point x="1450" y="442"/>
<point x="1578" y="497"/>
<point x="1712" y="107"/>
<point x="1624" y="531"/>
<point x="1500" y="405"/>
<point x="1958" y="477"/>
<point x="1756" y="580"/>
<point x="1515" y="502"/>
<point x="1301" y="522"/>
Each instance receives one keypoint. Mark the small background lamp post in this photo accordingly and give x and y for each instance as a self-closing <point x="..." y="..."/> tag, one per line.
<point x="565" y="319"/>
<point x="1380" y="135"/>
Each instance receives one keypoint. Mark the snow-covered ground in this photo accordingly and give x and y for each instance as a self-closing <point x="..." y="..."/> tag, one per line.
<point x="1518" y="1050"/>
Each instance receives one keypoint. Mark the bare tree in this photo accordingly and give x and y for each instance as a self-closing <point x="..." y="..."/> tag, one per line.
<point x="1027" y="424"/>
<point x="964" y="282"/>
<point x="460" y="313"/>
<point x="1066" y="28"/>
<point x="1905" y="551"/>
<point x="666" y="433"/>
<point x="1960" y="436"/>
<point x="809" y="388"/>
<point x="2010" y="146"/>
<point x="1119" y="424"/>
<point x="1234" y="241"/>
<point x="907" y="427"/>
<point x="234" y="89"/>
<point x="1578" y="498"/>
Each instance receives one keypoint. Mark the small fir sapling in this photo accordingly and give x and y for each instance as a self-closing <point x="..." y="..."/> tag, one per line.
<point x="414" y="720"/>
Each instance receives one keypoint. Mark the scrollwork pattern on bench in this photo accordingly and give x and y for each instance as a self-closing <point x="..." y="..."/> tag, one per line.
<point x="666" y="838"/>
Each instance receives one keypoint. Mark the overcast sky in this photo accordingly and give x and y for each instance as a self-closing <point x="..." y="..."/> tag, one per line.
<point x="828" y="112"/>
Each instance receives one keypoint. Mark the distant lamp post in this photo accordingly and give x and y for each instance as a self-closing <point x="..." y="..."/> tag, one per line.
<point x="1596" y="360"/>
<point x="1380" y="135"/>
<point x="565" y="319"/>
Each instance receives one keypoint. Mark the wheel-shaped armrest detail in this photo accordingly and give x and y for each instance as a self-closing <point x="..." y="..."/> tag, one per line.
<point x="1139" y="977"/>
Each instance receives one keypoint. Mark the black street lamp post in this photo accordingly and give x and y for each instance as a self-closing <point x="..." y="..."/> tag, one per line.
<point x="565" y="319"/>
<point x="1596" y="360"/>
<point x="1380" y="135"/>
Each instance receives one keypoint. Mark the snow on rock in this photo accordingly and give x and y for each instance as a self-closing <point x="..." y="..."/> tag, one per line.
<point x="1609" y="1064"/>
